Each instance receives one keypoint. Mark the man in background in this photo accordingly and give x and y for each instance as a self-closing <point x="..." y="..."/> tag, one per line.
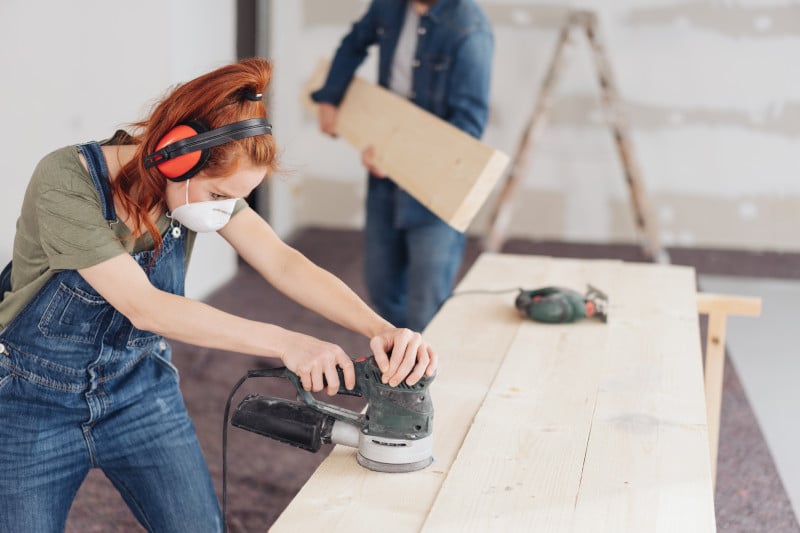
<point x="438" y="55"/>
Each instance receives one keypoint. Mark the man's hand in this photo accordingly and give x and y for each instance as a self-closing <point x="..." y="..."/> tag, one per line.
<point x="327" y="118"/>
<point x="368" y="158"/>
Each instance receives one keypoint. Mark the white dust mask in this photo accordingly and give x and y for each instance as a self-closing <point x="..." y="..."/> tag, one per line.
<point x="204" y="216"/>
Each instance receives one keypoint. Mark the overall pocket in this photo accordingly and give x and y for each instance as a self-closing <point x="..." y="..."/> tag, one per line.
<point x="73" y="314"/>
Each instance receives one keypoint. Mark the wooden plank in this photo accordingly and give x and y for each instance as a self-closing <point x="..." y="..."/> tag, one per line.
<point x="448" y="171"/>
<point x="646" y="467"/>
<point x="714" y="374"/>
<point x="344" y="497"/>
<point x="519" y="467"/>
<point x="718" y="307"/>
<point x="590" y="427"/>
<point x="728" y="304"/>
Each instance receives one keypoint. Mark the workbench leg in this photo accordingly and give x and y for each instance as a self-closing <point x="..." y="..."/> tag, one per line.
<point x="714" y="371"/>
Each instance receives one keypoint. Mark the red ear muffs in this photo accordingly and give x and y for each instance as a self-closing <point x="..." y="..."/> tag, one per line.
<point x="185" y="149"/>
<point x="182" y="167"/>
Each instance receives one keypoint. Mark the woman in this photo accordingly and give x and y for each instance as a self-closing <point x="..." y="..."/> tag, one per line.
<point x="102" y="242"/>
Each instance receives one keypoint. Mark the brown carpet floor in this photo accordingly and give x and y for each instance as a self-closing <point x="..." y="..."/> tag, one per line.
<point x="265" y="475"/>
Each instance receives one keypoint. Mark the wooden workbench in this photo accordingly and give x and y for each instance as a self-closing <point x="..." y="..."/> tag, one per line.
<point x="586" y="427"/>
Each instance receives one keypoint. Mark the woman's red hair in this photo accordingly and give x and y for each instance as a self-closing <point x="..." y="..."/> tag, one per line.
<point x="215" y="99"/>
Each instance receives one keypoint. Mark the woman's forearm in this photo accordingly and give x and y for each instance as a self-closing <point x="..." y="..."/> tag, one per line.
<point x="193" y="322"/>
<point x="327" y="295"/>
<point x="295" y="276"/>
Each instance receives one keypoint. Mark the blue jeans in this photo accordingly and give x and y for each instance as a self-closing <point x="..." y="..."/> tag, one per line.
<point x="411" y="257"/>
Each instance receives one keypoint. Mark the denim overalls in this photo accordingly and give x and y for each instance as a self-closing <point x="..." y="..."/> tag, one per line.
<point x="80" y="387"/>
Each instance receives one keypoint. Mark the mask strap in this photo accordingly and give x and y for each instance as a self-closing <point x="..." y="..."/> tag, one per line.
<point x="174" y="226"/>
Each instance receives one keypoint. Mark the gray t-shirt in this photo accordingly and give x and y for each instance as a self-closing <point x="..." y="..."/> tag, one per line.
<point x="402" y="77"/>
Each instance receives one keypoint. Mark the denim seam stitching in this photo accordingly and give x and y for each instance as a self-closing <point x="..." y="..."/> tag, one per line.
<point x="45" y="362"/>
<point x="29" y="376"/>
<point x="141" y="342"/>
<point x="124" y="369"/>
<point x="7" y="379"/>
<point x="33" y="378"/>
<point x="89" y="440"/>
<point x="103" y="400"/>
<point x="53" y="384"/>
<point x="159" y="359"/>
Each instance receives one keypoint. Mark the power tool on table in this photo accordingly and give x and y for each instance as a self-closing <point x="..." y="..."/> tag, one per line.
<point x="394" y="434"/>
<point x="558" y="305"/>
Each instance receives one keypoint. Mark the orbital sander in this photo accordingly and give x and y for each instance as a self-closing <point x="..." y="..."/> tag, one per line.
<point x="393" y="434"/>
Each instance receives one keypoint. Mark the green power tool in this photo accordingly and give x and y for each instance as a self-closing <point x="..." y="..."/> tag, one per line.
<point x="558" y="305"/>
<point x="394" y="434"/>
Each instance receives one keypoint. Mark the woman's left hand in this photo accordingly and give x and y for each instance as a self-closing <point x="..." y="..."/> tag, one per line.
<point x="403" y="354"/>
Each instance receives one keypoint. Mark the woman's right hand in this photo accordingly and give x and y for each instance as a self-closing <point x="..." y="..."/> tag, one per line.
<point x="311" y="359"/>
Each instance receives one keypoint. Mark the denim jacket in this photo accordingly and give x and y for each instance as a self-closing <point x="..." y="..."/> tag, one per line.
<point x="453" y="59"/>
<point x="452" y="74"/>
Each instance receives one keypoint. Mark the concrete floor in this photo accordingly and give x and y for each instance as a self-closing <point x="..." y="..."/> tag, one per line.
<point x="765" y="353"/>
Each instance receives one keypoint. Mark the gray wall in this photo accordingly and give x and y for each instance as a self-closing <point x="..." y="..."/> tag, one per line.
<point x="710" y="88"/>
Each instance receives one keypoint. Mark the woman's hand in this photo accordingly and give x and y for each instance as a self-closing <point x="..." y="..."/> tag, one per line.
<point x="411" y="357"/>
<point x="311" y="359"/>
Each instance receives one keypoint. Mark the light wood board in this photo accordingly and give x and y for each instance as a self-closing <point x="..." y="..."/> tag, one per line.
<point x="446" y="170"/>
<point x="718" y="307"/>
<point x="582" y="427"/>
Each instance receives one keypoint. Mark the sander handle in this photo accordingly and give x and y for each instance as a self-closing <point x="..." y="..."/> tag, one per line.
<point x="339" y="413"/>
<point x="355" y="391"/>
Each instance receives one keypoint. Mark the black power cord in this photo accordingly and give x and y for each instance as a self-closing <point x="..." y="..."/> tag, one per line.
<point x="250" y="374"/>
<point x="485" y="291"/>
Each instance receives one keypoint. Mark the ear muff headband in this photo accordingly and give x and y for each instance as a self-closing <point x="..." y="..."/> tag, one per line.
<point x="183" y="151"/>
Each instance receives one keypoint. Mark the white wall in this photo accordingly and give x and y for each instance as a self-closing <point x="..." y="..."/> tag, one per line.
<point x="75" y="71"/>
<point x="710" y="88"/>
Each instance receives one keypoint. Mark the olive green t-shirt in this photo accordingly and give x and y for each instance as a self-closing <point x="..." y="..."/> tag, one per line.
<point x="61" y="227"/>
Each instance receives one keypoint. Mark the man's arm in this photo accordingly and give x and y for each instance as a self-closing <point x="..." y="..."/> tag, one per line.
<point x="350" y="54"/>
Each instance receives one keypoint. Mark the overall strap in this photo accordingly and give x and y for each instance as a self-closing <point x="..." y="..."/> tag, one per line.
<point x="99" y="172"/>
<point x="5" y="281"/>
